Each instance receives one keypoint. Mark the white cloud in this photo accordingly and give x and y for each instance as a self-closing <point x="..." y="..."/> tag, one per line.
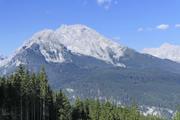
<point x="160" y="27"/>
<point x="107" y="3"/>
<point x="177" y="26"/>
<point x="140" y="29"/>
<point x="101" y="2"/>
<point x="163" y="27"/>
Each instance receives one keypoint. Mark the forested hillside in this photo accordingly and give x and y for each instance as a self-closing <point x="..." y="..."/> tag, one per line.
<point x="27" y="96"/>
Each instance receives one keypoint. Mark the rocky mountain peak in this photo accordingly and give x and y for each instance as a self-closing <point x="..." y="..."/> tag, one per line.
<point x="79" y="39"/>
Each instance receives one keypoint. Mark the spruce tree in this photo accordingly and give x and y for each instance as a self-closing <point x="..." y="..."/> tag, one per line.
<point x="43" y="85"/>
<point x="63" y="108"/>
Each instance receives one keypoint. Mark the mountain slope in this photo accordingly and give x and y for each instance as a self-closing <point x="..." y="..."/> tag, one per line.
<point x="1" y="57"/>
<point x="165" y="51"/>
<point x="87" y="64"/>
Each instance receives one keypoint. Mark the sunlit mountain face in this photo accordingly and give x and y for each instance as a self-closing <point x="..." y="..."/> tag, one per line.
<point x="165" y="51"/>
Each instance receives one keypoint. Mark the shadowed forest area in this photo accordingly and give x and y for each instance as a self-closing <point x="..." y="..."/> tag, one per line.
<point x="27" y="96"/>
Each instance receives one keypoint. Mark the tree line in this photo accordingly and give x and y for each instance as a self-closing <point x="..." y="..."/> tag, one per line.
<point x="28" y="96"/>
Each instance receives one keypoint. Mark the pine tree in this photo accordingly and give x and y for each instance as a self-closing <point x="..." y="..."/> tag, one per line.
<point x="34" y="95"/>
<point x="43" y="93"/>
<point x="63" y="108"/>
<point x="95" y="109"/>
<point x="177" y="116"/>
<point x="19" y="84"/>
<point x="77" y="113"/>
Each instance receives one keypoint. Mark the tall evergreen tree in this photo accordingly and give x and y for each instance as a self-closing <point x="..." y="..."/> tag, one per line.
<point x="63" y="108"/>
<point x="43" y="93"/>
<point x="177" y="116"/>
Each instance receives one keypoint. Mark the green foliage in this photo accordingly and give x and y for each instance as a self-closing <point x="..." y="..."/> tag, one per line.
<point x="27" y="96"/>
<point x="177" y="116"/>
<point x="63" y="107"/>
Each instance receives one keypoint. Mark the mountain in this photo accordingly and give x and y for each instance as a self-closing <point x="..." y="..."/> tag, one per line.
<point x="84" y="63"/>
<point x="78" y="39"/>
<point x="165" y="51"/>
<point x="1" y="57"/>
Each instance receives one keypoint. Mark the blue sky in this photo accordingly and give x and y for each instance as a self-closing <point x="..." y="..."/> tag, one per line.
<point x="136" y="23"/>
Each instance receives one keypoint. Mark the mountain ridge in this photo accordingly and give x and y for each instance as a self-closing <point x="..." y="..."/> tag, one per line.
<point x="165" y="51"/>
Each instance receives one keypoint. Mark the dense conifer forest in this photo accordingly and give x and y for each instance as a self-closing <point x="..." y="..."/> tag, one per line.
<point x="27" y="96"/>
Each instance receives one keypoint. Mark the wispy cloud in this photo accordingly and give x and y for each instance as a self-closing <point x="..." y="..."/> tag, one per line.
<point x="101" y="2"/>
<point x="177" y="26"/>
<point x="106" y="3"/>
<point x="163" y="26"/>
<point x="140" y="29"/>
<point x="158" y="27"/>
